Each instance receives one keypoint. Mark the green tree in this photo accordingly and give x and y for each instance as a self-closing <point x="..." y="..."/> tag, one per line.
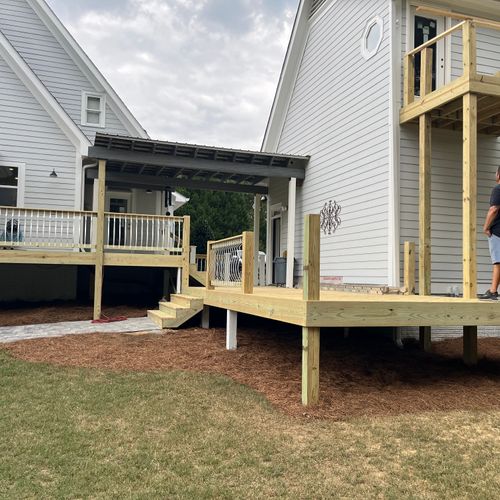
<point x="216" y="215"/>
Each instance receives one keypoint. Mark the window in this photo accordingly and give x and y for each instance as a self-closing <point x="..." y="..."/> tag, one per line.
<point x="9" y="186"/>
<point x="372" y="37"/>
<point x="94" y="110"/>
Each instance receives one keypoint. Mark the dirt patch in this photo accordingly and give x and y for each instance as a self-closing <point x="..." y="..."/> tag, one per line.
<point x="56" y="313"/>
<point x="359" y="376"/>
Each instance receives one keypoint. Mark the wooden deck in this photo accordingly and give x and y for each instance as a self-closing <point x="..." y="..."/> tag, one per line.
<point x="342" y="309"/>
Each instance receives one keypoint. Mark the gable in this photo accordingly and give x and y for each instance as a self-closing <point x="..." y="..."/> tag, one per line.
<point x="53" y="65"/>
<point x="30" y="137"/>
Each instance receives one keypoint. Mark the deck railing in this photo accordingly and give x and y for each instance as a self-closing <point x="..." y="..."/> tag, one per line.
<point x="230" y="262"/>
<point x="44" y="228"/>
<point x="33" y="228"/>
<point x="466" y="63"/>
<point x="150" y="233"/>
<point x="201" y="262"/>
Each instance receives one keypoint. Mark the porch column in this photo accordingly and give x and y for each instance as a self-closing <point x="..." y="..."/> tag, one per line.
<point x="290" y="242"/>
<point x="269" y="255"/>
<point x="99" y="250"/>
<point x="256" y="235"/>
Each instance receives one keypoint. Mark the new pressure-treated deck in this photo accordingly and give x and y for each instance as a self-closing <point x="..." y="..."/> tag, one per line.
<point x="343" y="309"/>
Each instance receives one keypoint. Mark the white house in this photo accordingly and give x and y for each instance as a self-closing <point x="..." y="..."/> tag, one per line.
<point x="53" y="100"/>
<point x="339" y="100"/>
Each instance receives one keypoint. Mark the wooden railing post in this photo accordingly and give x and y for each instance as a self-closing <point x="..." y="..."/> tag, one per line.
<point x="248" y="256"/>
<point x="311" y="257"/>
<point x="469" y="38"/>
<point x="409" y="268"/>
<point x="426" y="72"/>
<point x="186" y="249"/>
<point x="99" y="249"/>
<point x="409" y="79"/>
<point x="311" y="335"/>
<point x="208" y="281"/>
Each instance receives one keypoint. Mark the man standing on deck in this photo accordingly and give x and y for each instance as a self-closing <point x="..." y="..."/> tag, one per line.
<point x="492" y="230"/>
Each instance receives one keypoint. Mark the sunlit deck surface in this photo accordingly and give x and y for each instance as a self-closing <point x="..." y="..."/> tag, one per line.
<point x="346" y="309"/>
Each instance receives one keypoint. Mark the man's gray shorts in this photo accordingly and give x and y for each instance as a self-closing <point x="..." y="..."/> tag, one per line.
<point x="494" y="242"/>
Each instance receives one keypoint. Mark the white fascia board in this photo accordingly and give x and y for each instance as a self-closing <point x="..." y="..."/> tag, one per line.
<point x="88" y="68"/>
<point x="43" y="96"/>
<point x="288" y="77"/>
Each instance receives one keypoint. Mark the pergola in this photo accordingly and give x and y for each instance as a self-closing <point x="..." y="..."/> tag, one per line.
<point x="158" y="165"/>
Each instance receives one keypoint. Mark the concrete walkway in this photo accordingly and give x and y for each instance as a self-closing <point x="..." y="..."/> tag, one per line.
<point x="15" y="333"/>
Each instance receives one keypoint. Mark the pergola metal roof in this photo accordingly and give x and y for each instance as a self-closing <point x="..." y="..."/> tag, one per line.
<point x="159" y="164"/>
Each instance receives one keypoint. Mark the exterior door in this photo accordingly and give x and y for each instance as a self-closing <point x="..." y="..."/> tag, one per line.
<point x="425" y="29"/>
<point x="117" y="225"/>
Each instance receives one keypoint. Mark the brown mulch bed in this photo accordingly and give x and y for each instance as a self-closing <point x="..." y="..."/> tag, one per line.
<point x="363" y="376"/>
<point x="56" y="313"/>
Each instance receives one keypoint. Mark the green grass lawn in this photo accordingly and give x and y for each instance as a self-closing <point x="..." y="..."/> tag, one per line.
<point x="74" y="433"/>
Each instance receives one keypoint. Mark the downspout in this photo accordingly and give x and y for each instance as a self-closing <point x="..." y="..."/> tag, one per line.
<point x="82" y="193"/>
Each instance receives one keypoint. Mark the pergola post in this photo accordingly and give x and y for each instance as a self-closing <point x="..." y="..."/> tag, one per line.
<point x="311" y="291"/>
<point x="99" y="249"/>
<point x="290" y="250"/>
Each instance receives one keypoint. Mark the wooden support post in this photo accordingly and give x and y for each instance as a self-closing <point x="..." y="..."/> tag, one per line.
<point x="424" y="271"/>
<point x="409" y="268"/>
<point x="425" y="338"/>
<point x="205" y="317"/>
<point x="469" y="49"/>
<point x="248" y="255"/>
<point x="208" y="280"/>
<point x="186" y="249"/>
<point x="311" y="257"/>
<point x="310" y="365"/>
<point x="409" y="89"/>
<point x="470" y="196"/>
<point x="426" y="71"/>
<point x="470" y="345"/>
<point x="99" y="258"/>
<point x="256" y="238"/>
<point x="231" y="330"/>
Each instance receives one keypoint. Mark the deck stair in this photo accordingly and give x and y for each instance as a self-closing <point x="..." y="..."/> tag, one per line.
<point x="176" y="312"/>
<point x="199" y="276"/>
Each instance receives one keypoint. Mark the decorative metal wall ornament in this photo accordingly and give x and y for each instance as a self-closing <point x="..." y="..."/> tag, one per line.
<point x="330" y="217"/>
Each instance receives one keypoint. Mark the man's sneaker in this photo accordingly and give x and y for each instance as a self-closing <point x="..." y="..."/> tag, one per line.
<point x="489" y="295"/>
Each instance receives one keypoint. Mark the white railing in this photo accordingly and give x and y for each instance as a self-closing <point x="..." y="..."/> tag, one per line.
<point x="226" y="260"/>
<point x="201" y="263"/>
<point x="150" y="233"/>
<point x="43" y="228"/>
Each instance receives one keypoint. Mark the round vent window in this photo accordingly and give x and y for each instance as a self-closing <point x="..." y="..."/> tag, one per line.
<point x="372" y="37"/>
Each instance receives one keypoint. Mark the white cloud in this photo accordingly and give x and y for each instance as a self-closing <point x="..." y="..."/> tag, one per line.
<point x="201" y="71"/>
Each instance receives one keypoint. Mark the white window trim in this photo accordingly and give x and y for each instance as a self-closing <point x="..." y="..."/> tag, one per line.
<point x="20" y="180"/>
<point x="368" y="54"/>
<point x="102" y="110"/>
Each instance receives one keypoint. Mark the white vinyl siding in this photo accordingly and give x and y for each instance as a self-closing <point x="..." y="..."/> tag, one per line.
<point x="339" y="115"/>
<point x="29" y="136"/>
<point x="50" y="62"/>
<point x="447" y="182"/>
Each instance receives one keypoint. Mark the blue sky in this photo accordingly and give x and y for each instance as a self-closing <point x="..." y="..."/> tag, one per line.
<point x="202" y="71"/>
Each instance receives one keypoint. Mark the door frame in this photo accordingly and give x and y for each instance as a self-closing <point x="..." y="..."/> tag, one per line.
<point x="443" y="76"/>
<point x="124" y="195"/>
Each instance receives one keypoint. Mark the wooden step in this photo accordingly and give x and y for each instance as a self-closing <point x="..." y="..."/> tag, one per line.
<point x="186" y="300"/>
<point x="162" y="319"/>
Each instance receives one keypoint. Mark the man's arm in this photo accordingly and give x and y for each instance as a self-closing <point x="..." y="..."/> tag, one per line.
<point x="490" y="217"/>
